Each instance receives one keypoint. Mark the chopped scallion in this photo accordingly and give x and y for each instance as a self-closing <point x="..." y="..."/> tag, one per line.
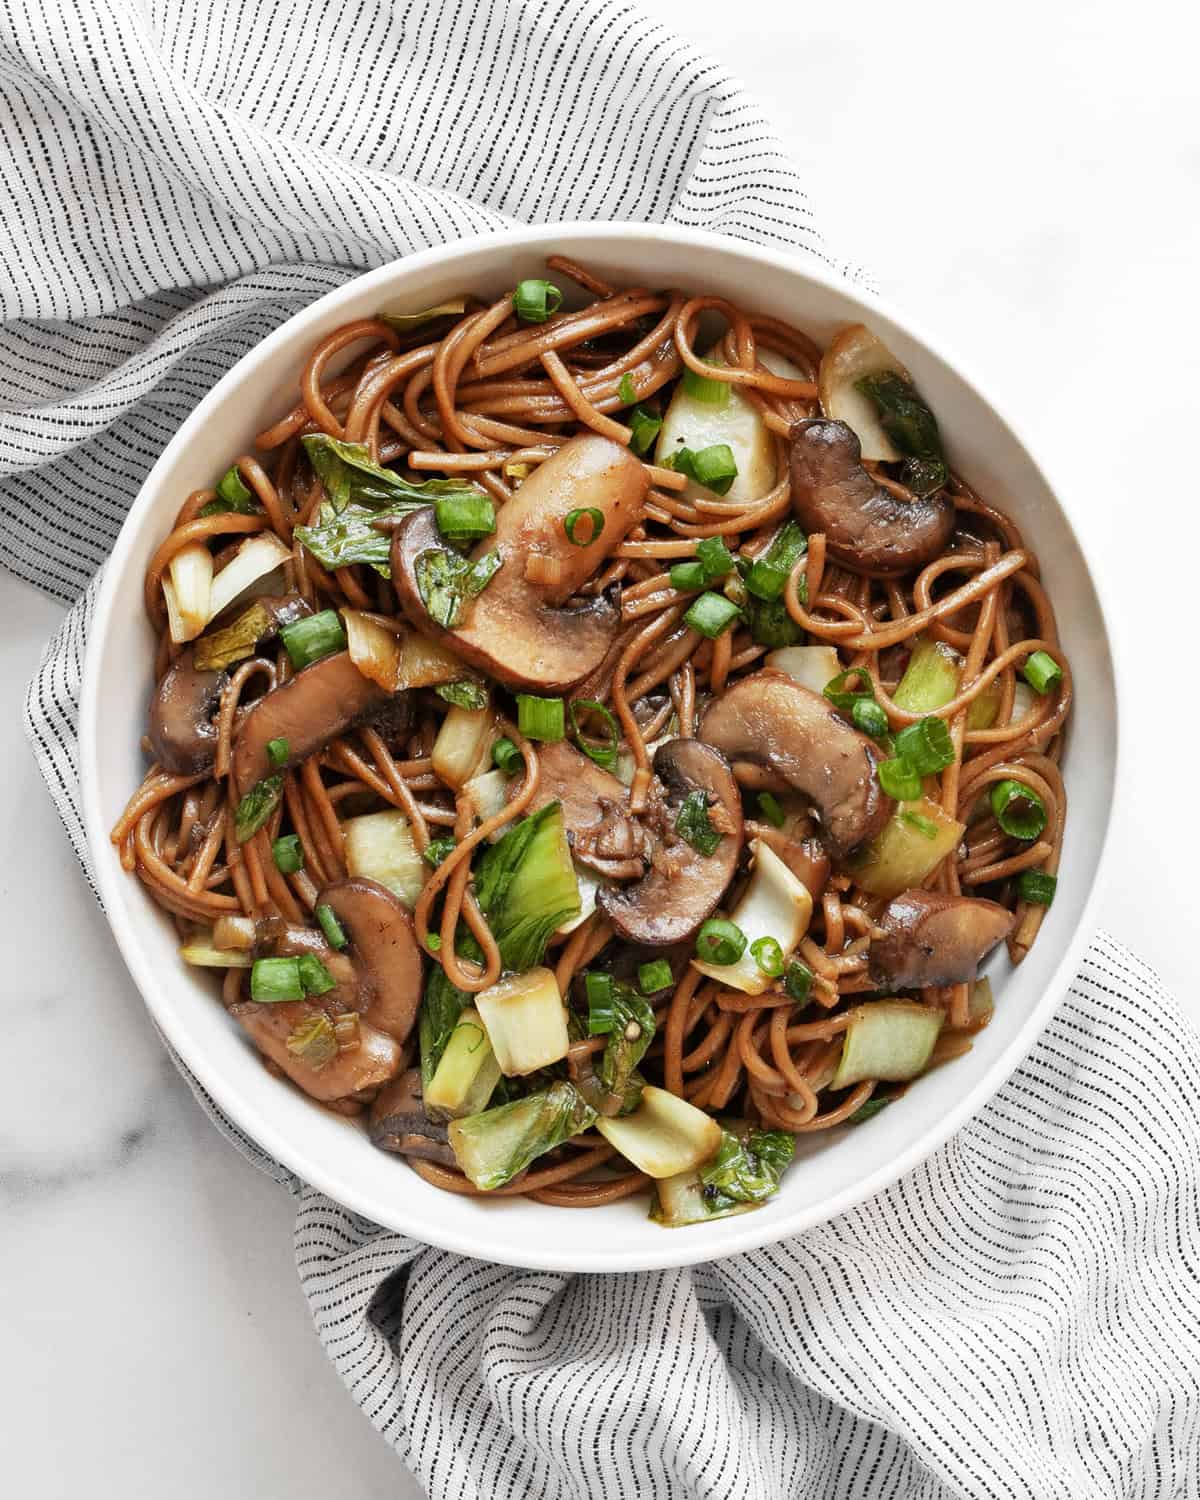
<point x="714" y="557"/>
<point x="654" y="976"/>
<point x="769" y="573"/>
<point x="310" y="639"/>
<point x="541" y="718"/>
<point x="314" y="976"/>
<point x="535" y="300"/>
<point x="277" y="753"/>
<point x="335" y="934"/>
<point x="845" y="698"/>
<point x="870" y="718"/>
<point x="900" y="780"/>
<point x="1037" y="887"/>
<point x="644" y="427"/>
<point x="703" y="388"/>
<point x="275" y="980"/>
<point x="465" y="517"/>
<point x="595" y="520"/>
<point x="598" y="989"/>
<point x="768" y="955"/>
<point x="507" y="757"/>
<point x="926" y="746"/>
<point x="715" y="468"/>
<point x="1018" y="809"/>
<point x="720" y="942"/>
<point x="288" y="854"/>
<point x="688" y="576"/>
<point x="627" y="390"/>
<point x="1041" y="672"/>
<point x="711" y="615"/>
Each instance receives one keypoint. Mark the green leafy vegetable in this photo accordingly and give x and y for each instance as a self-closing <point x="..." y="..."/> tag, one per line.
<point x="438" y="849"/>
<point x="694" y="824"/>
<point x="257" y="806"/>
<point x="405" y="322"/>
<point x="870" y="1108"/>
<point x="360" y="493"/>
<point x="494" y="1147"/>
<point x="446" y="581"/>
<point x="912" y="427"/>
<point x="749" y="1171"/>
<point x="233" y="494"/>
<point x="465" y="694"/>
<point x="628" y="1021"/>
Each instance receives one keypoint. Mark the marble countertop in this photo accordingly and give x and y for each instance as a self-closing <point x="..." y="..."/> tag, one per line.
<point x="1024" y="182"/>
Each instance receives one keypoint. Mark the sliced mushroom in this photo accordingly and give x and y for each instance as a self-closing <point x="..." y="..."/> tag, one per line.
<point x="682" y="886"/>
<point x="601" y="832"/>
<point x="308" y="711"/>
<point x="377" y="1057"/>
<point x="807" y="861"/>
<point x="867" y="528"/>
<point x="398" y="1122"/>
<point x="180" y="729"/>
<point x="385" y="951"/>
<point x="523" y="632"/>
<point x="769" y="720"/>
<point x="933" y="938"/>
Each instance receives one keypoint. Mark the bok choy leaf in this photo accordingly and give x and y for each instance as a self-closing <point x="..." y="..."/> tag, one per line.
<point x="494" y="1147"/>
<point x="748" y="1171"/>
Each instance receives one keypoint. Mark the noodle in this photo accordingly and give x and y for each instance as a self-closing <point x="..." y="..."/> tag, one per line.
<point x="489" y="399"/>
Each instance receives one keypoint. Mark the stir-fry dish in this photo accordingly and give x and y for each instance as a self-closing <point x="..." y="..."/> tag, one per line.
<point x="599" y="744"/>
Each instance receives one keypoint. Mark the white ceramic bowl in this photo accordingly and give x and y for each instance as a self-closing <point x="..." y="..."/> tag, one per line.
<point x="835" y="1170"/>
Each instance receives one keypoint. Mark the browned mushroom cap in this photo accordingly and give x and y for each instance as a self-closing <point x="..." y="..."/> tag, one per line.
<point x="377" y="1057"/>
<point x="768" y="719"/>
<point x="384" y="948"/>
<point x="933" y="938"/>
<point x="180" y="729"/>
<point x="398" y="1122"/>
<point x="520" y="631"/>
<point x="308" y="711"/>
<point x="599" y="828"/>
<point x="867" y="528"/>
<point x="682" y="886"/>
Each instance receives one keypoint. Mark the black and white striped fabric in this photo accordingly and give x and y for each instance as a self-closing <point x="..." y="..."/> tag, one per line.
<point x="1018" y="1318"/>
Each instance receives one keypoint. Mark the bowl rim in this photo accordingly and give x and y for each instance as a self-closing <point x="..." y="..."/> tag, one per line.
<point x="677" y="1250"/>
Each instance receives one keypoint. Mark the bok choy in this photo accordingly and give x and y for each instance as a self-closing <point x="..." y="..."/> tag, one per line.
<point x="494" y="1147"/>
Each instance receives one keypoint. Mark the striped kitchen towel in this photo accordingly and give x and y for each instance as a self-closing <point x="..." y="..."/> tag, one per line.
<point x="1018" y="1318"/>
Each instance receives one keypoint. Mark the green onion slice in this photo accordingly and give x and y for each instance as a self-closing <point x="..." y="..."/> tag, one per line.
<point x="703" y="388"/>
<point x="277" y="753"/>
<point x="644" y="427"/>
<point x="536" y="300"/>
<point x="688" y="576"/>
<point x="595" y="519"/>
<point x="1041" y="672"/>
<point x="604" y="752"/>
<point x="926" y="746"/>
<point x="714" y="557"/>
<point x="720" y="942"/>
<point x="598" y="988"/>
<point x="1018" y="810"/>
<point x="627" y="391"/>
<point x="314" y="976"/>
<point x="1037" y="887"/>
<point x="715" y="468"/>
<point x="541" y="718"/>
<point x="845" y="698"/>
<point x="769" y="573"/>
<point x="335" y="934"/>
<point x="288" y="854"/>
<point x="465" y="517"/>
<point x="899" y="780"/>
<point x="507" y="757"/>
<point x="768" y="955"/>
<point x="275" y="980"/>
<point x="310" y="639"/>
<point x="655" y="976"/>
<point x="870" y="718"/>
<point x="711" y="615"/>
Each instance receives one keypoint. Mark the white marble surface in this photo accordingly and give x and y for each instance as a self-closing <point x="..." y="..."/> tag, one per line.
<point x="1023" y="179"/>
